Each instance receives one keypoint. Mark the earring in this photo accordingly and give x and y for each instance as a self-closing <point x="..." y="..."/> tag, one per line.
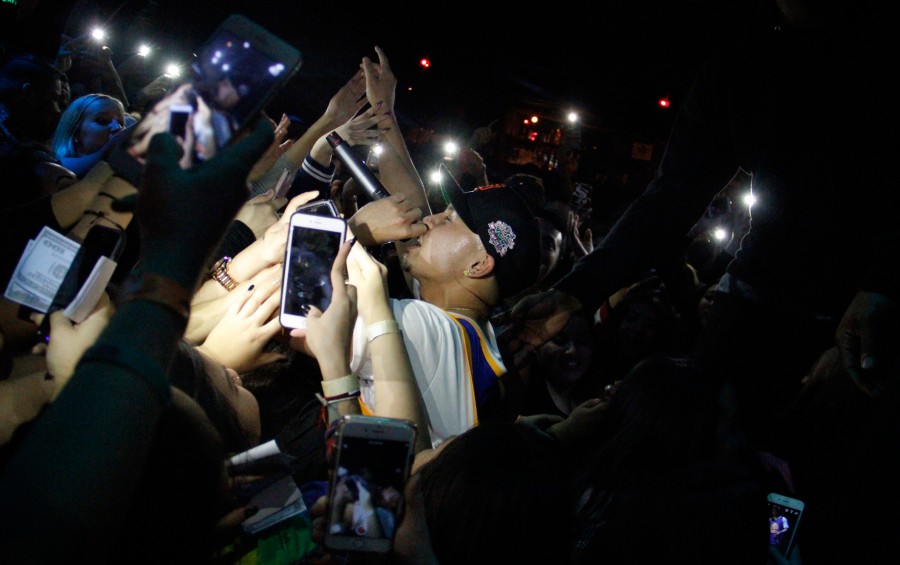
<point x="468" y="272"/>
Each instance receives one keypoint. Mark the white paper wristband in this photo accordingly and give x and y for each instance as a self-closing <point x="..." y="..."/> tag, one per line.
<point x="337" y="387"/>
<point x="383" y="327"/>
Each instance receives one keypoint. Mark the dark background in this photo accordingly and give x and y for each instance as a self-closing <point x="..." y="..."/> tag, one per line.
<point x="610" y="60"/>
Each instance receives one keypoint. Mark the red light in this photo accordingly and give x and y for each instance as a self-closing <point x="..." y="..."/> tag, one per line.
<point x="533" y="136"/>
<point x="663" y="102"/>
<point x="424" y="62"/>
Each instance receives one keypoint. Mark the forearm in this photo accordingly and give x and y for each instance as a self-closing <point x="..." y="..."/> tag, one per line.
<point x="335" y="365"/>
<point x="305" y="143"/>
<point x="205" y="315"/>
<point x="69" y="204"/>
<point x="94" y="438"/>
<point x="398" y="172"/>
<point x="395" y="383"/>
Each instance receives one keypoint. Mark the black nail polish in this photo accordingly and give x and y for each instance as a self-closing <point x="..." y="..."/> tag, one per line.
<point x="251" y="287"/>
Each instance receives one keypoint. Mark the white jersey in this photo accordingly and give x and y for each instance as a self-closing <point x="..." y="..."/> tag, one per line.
<point x="445" y="349"/>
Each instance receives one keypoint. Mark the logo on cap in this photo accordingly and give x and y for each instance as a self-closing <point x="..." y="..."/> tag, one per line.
<point x="501" y="236"/>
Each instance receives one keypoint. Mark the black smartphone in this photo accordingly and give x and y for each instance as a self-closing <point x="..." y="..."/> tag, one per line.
<point x="238" y="71"/>
<point x="100" y="241"/>
<point x="371" y="464"/>
<point x="320" y="207"/>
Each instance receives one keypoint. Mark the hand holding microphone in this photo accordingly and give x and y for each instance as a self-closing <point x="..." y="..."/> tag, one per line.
<point x="366" y="178"/>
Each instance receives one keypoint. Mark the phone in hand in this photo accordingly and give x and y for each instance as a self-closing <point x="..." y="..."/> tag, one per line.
<point x="324" y="207"/>
<point x="371" y="463"/>
<point x="238" y="71"/>
<point x="313" y="244"/>
<point x="100" y="241"/>
<point x="178" y="118"/>
<point x="784" y="518"/>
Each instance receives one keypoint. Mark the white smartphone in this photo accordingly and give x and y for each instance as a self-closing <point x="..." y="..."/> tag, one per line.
<point x="370" y="466"/>
<point x="178" y="118"/>
<point x="313" y="243"/>
<point x="784" y="518"/>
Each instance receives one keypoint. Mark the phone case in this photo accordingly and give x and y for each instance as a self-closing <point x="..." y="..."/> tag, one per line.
<point x="784" y="519"/>
<point x="370" y="466"/>
<point x="239" y="70"/>
<point x="313" y="244"/>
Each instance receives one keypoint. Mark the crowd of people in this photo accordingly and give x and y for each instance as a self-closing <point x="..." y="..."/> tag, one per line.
<point x="625" y="395"/>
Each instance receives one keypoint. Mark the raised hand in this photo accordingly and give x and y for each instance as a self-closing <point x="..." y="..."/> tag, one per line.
<point x="261" y="212"/>
<point x="328" y="334"/>
<point x="279" y="145"/>
<point x="381" y="84"/>
<point x="370" y="279"/>
<point x="536" y="319"/>
<point x="387" y="219"/>
<point x="239" y="338"/>
<point x="348" y="100"/>
<point x="866" y="339"/>
<point x="69" y="341"/>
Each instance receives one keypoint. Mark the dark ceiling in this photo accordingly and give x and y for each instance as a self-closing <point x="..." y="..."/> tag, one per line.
<point x="612" y="60"/>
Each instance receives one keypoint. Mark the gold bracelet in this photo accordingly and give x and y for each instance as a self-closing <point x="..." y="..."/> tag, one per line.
<point x="219" y="273"/>
<point x="159" y="289"/>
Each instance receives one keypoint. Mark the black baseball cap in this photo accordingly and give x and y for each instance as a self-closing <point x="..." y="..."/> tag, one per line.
<point x="507" y="227"/>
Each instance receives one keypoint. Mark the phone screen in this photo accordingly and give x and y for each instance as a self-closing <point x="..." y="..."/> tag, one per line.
<point x="308" y="269"/>
<point x="367" y="492"/>
<point x="783" y="521"/>
<point x="238" y="71"/>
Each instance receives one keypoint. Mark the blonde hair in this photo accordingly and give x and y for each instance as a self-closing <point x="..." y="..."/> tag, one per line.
<point x="63" y="142"/>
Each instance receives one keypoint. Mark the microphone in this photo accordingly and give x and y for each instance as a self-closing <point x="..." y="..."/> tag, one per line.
<point x="366" y="178"/>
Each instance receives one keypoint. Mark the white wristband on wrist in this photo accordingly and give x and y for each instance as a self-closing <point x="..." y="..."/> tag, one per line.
<point x="383" y="327"/>
<point x="337" y="387"/>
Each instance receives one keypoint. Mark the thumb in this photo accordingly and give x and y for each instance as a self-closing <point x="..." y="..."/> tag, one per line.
<point x="264" y="197"/>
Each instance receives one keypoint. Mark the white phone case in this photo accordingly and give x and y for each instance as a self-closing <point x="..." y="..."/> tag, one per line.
<point x="313" y="243"/>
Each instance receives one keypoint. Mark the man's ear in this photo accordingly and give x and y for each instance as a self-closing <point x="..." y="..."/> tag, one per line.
<point x="482" y="268"/>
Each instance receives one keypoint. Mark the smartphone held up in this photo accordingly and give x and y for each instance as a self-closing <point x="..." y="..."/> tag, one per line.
<point x="371" y="464"/>
<point x="313" y="244"/>
<point x="237" y="72"/>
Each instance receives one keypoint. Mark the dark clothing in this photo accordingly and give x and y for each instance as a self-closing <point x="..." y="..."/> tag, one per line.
<point x="796" y="110"/>
<point x="802" y="114"/>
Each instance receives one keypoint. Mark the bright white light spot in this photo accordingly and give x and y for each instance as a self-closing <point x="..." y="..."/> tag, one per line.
<point x="749" y="199"/>
<point x="436" y="176"/>
<point x="720" y="234"/>
<point x="451" y="148"/>
<point x="173" y="70"/>
<point x="377" y="149"/>
<point x="276" y="69"/>
<point x="572" y="117"/>
<point x="144" y="50"/>
<point x="98" y="33"/>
